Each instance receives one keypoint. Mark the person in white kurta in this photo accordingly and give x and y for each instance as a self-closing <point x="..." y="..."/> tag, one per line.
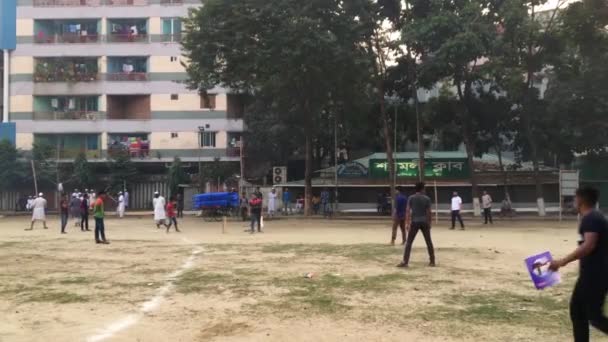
<point x="38" y="214"/>
<point x="272" y="202"/>
<point x="159" y="209"/>
<point x="120" y="209"/>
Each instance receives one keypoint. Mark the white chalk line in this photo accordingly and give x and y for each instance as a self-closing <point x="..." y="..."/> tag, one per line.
<point x="150" y="305"/>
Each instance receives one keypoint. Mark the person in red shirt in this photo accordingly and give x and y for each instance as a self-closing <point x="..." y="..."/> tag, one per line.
<point x="171" y="215"/>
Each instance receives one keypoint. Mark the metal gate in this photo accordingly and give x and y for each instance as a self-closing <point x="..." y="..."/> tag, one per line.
<point x="141" y="195"/>
<point x="8" y="200"/>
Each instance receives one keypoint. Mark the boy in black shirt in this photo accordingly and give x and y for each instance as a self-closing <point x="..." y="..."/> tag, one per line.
<point x="587" y="303"/>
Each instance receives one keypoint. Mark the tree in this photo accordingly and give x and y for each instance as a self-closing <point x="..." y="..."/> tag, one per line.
<point x="218" y="171"/>
<point x="11" y="169"/>
<point x="452" y="39"/>
<point x="177" y="176"/>
<point x="524" y="49"/>
<point x="297" y="53"/>
<point x="83" y="174"/>
<point x="44" y="157"/>
<point x="122" y="170"/>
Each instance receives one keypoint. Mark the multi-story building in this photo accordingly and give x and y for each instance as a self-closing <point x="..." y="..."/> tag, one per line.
<point x="102" y="76"/>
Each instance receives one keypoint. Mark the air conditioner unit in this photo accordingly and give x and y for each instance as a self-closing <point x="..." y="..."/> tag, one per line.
<point x="279" y="175"/>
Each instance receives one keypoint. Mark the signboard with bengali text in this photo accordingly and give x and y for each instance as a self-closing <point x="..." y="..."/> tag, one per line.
<point x="433" y="168"/>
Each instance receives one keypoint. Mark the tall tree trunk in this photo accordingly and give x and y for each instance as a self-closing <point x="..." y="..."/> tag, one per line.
<point x="388" y="143"/>
<point x="308" y="162"/>
<point x="469" y="143"/>
<point x="527" y="128"/>
<point x="505" y="176"/>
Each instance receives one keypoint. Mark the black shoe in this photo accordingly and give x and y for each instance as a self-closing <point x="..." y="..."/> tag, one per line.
<point x="97" y="241"/>
<point x="402" y="265"/>
<point x="432" y="264"/>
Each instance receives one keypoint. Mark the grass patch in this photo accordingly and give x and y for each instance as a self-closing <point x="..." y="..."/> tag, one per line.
<point x="59" y="297"/>
<point x="76" y="281"/>
<point x="361" y="252"/>
<point x="501" y="307"/>
<point x="200" y="281"/>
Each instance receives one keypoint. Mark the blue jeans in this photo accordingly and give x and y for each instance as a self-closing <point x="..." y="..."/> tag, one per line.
<point x="100" y="230"/>
<point x="64" y="221"/>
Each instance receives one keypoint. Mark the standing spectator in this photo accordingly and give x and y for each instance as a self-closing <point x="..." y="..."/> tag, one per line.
<point x="286" y="201"/>
<point x="99" y="214"/>
<point x="316" y="204"/>
<point x="30" y="203"/>
<point x="258" y="193"/>
<point x="171" y="214"/>
<point x="126" y="194"/>
<point x="120" y="209"/>
<point x="159" y="209"/>
<point x="486" y="201"/>
<point x="84" y="213"/>
<point x="64" y="211"/>
<point x="399" y="216"/>
<point x="456" y="207"/>
<point x="39" y="211"/>
<point x="300" y="204"/>
<point x="180" y="205"/>
<point x="418" y="217"/>
<point x="244" y="204"/>
<point x="326" y="202"/>
<point x="272" y="203"/>
<point x="256" y="212"/>
<point x="75" y="209"/>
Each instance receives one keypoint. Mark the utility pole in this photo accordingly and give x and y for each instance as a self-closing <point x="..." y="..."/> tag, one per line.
<point x="395" y="147"/>
<point x="336" y="163"/>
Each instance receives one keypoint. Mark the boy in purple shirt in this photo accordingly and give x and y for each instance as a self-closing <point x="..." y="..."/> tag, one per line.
<point x="399" y="216"/>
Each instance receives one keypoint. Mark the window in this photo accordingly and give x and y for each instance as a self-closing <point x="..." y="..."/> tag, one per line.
<point x="208" y="139"/>
<point x="173" y="135"/>
<point x="208" y="101"/>
<point x="172" y="30"/>
<point x="174" y="97"/>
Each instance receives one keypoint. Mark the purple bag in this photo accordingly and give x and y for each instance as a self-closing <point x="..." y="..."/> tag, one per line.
<point x="538" y="267"/>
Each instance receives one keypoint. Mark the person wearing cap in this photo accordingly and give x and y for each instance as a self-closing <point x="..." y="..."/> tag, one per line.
<point x="159" y="209"/>
<point x="38" y="213"/>
<point x="272" y="203"/>
<point x="64" y="211"/>
<point x="75" y="209"/>
<point x="84" y="213"/>
<point x="120" y="209"/>
<point x="99" y="214"/>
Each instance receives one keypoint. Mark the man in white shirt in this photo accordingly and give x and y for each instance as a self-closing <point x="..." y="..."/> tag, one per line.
<point x="120" y="209"/>
<point x="159" y="210"/>
<point x="456" y="206"/>
<point x="272" y="203"/>
<point x="486" y="201"/>
<point x="39" y="211"/>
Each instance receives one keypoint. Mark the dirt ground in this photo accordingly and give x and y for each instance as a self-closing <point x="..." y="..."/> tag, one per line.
<point x="205" y="285"/>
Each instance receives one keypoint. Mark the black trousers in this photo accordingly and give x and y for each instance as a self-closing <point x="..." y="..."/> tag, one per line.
<point x="456" y="215"/>
<point x="100" y="230"/>
<point x="180" y="212"/>
<point x="586" y="306"/>
<point x="172" y="221"/>
<point x="426" y="232"/>
<point x="398" y="222"/>
<point x="64" y="221"/>
<point x="244" y="213"/>
<point x="256" y="216"/>
<point x="487" y="214"/>
<point x="84" y="221"/>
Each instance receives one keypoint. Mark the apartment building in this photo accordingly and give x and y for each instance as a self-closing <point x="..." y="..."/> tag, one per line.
<point x="105" y="76"/>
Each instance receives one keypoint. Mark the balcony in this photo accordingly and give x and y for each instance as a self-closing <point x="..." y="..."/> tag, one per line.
<point x="69" y="146"/>
<point x="66" y="108"/>
<point x="127" y="69"/>
<point x="92" y="3"/>
<point x="67" y="3"/>
<point x="129" y="107"/>
<point x="67" y="31"/>
<point x="128" y="31"/>
<point x="137" y="145"/>
<point x="66" y="70"/>
<point x="171" y="2"/>
<point x="234" y="144"/>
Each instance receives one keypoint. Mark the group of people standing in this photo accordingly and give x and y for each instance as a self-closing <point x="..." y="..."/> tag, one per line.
<point x="79" y="206"/>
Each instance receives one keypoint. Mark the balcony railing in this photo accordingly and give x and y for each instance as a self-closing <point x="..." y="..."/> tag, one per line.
<point x="70" y="153"/>
<point x="127" y="76"/>
<point x="70" y="115"/>
<point x="66" y="77"/>
<point x="67" y="38"/>
<point x="140" y="151"/>
<point x="67" y="3"/>
<point x="171" y="38"/>
<point x="233" y="152"/>
<point x="75" y="3"/>
<point x="171" y="2"/>
<point x="127" y="38"/>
